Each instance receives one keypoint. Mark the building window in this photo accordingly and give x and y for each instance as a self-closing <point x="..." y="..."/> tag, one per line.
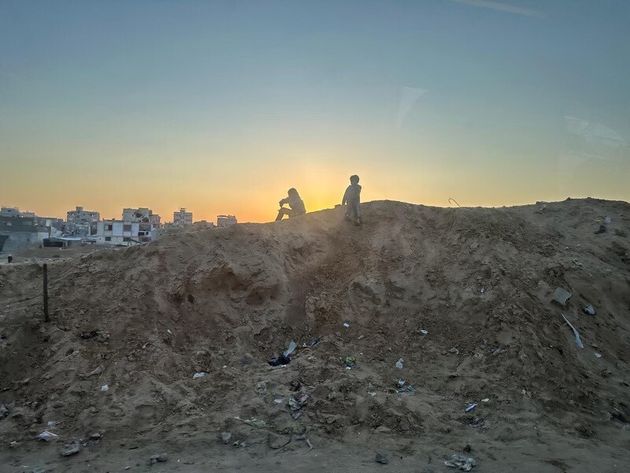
<point x="126" y="227"/>
<point x="109" y="227"/>
<point x="108" y="238"/>
<point x="126" y="239"/>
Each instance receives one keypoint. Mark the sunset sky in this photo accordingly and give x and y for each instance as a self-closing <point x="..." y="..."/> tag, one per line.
<point x="221" y="106"/>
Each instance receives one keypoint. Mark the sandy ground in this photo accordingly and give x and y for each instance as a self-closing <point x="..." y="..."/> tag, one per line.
<point x="463" y="296"/>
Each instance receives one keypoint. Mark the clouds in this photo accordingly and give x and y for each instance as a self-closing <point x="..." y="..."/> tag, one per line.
<point x="501" y="7"/>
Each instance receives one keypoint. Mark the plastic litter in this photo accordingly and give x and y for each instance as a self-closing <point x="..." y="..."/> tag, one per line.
<point x="424" y="332"/>
<point x="486" y="399"/>
<point x="470" y="407"/>
<point x="291" y="349"/>
<point x="607" y="220"/>
<point x="598" y="355"/>
<point x="461" y="462"/>
<point x="253" y="422"/>
<point x="200" y="374"/>
<point x="589" y="310"/>
<point x="402" y="387"/>
<point x="46" y="436"/>
<point x="578" y="340"/>
<point x="346" y="324"/>
<point x="399" y="363"/>
<point x="104" y="388"/>
<point x="561" y="296"/>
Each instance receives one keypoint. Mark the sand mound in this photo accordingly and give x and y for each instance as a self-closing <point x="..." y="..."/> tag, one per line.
<point x="462" y="296"/>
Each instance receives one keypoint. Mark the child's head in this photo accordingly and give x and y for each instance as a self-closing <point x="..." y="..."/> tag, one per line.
<point x="293" y="192"/>
<point x="354" y="179"/>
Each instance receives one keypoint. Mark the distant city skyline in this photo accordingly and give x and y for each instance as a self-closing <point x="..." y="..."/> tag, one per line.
<point x="220" y="106"/>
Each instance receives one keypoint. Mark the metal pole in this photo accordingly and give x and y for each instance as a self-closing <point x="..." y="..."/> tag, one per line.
<point x="46" y="316"/>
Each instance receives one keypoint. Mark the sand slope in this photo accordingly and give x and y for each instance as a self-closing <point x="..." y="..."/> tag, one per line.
<point x="143" y="320"/>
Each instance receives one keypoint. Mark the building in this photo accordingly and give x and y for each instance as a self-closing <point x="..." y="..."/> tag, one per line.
<point x="182" y="217"/>
<point x="80" y="222"/>
<point x="137" y="226"/>
<point x="15" y="212"/>
<point x="19" y="232"/>
<point x="141" y="215"/>
<point x="119" y="232"/>
<point x="226" y="220"/>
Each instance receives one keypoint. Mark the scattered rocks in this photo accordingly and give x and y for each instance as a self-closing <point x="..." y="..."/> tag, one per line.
<point x="589" y="310"/>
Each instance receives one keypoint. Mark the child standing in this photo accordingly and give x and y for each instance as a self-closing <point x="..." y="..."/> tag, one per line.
<point x="352" y="200"/>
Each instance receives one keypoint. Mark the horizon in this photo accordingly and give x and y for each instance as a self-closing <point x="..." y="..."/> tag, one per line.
<point x="220" y="108"/>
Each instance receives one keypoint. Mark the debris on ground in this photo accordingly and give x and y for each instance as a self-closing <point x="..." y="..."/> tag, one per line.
<point x="403" y="387"/>
<point x="470" y="407"/>
<point x="350" y="361"/>
<point x="71" y="448"/>
<point x="200" y="374"/>
<point x="159" y="458"/>
<point x="561" y="296"/>
<point x="399" y="363"/>
<point x="381" y="458"/>
<point x="104" y="388"/>
<point x="578" y="340"/>
<point x="296" y="403"/>
<point x="600" y="230"/>
<point x="253" y="422"/>
<point x="589" y="310"/>
<point x="46" y="436"/>
<point x="461" y="462"/>
<point x="226" y="437"/>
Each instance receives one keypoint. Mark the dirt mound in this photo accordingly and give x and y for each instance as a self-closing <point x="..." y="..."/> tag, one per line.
<point x="462" y="296"/>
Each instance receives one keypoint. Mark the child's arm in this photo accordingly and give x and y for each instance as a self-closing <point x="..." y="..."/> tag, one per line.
<point x="344" y="201"/>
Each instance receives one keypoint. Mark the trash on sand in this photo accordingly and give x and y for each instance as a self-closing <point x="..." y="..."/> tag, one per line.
<point x="71" y="448"/>
<point x="424" y="332"/>
<point x="296" y="403"/>
<point x="279" y="360"/>
<point x="350" y="361"/>
<point x="454" y="351"/>
<point x="607" y="220"/>
<point x="403" y="387"/>
<point x="399" y="363"/>
<point x="561" y="296"/>
<point x="253" y="422"/>
<point x="225" y="437"/>
<point x="291" y="349"/>
<point x="600" y="230"/>
<point x="200" y="374"/>
<point x="46" y="436"/>
<point x="486" y="399"/>
<point x="96" y="436"/>
<point x="589" y="310"/>
<point x="346" y="324"/>
<point x="311" y="342"/>
<point x="598" y="355"/>
<point x="161" y="458"/>
<point x="578" y="340"/>
<point x="381" y="458"/>
<point x="4" y="411"/>
<point x="279" y="400"/>
<point x="104" y="388"/>
<point x="470" y="407"/>
<point x="461" y="462"/>
<point x="285" y="358"/>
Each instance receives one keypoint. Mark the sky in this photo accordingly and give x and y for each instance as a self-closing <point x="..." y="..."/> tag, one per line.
<point x="221" y="106"/>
